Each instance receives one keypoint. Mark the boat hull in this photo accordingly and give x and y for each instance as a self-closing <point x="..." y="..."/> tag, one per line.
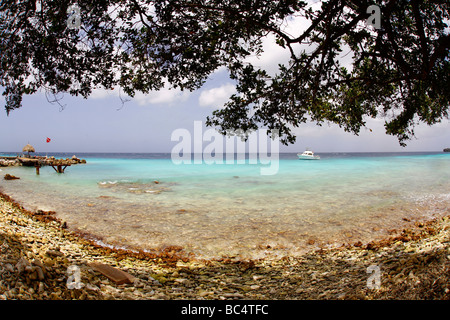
<point x="301" y="157"/>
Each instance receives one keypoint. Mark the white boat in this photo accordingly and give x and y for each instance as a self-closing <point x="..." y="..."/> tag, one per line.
<point x="308" y="155"/>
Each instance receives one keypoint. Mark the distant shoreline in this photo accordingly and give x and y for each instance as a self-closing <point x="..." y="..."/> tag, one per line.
<point x="292" y="155"/>
<point x="15" y="153"/>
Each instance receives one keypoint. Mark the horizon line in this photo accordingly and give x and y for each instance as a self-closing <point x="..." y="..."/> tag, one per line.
<point x="168" y="152"/>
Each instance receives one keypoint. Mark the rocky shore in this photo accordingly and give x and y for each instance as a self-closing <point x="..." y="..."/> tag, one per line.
<point x="9" y="162"/>
<point x="40" y="258"/>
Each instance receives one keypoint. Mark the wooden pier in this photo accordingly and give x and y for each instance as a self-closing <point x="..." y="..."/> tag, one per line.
<point x="59" y="168"/>
<point x="59" y="165"/>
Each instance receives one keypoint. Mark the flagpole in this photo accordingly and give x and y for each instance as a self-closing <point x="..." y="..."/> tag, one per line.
<point x="48" y="141"/>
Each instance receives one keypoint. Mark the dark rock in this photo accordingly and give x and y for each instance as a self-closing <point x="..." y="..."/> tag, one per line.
<point x="54" y="253"/>
<point x="114" y="274"/>
<point x="358" y="244"/>
<point x="10" y="177"/>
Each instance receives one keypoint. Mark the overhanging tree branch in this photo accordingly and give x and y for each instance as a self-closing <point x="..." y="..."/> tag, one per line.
<point x="405" y="65"/>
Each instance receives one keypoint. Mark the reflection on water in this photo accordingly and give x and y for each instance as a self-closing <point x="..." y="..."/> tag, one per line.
<point x="232" y="210"/>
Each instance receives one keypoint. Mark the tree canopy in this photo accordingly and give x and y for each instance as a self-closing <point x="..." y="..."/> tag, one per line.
<point x="398" y="70"/>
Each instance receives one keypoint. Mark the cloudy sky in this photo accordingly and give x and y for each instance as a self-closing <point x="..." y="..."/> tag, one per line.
<point x="145" y="123"/>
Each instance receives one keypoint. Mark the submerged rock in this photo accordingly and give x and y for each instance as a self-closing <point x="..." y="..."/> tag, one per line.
<point x="10" y="177"/>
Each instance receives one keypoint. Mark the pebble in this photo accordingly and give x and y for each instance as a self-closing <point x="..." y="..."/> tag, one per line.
<point x="54" y="253"/>
<point x="22" y="264"/>
<point x="182" y="280"/>
<point x="9" y="267"/>
<point x="233" y="295"/>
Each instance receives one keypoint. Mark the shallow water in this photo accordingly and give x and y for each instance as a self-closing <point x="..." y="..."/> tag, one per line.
<point x="222" y="209"/>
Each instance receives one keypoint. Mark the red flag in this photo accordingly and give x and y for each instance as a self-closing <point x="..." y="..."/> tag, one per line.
<point x="48" y="140"/>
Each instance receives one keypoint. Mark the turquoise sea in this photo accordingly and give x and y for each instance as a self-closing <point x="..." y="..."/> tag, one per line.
<point x="212" y="210"/>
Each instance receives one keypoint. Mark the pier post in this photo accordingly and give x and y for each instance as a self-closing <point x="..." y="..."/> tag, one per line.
<point x="60" y="167"/>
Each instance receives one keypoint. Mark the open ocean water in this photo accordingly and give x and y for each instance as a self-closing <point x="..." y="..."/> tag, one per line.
<point x="214" y="210"/>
